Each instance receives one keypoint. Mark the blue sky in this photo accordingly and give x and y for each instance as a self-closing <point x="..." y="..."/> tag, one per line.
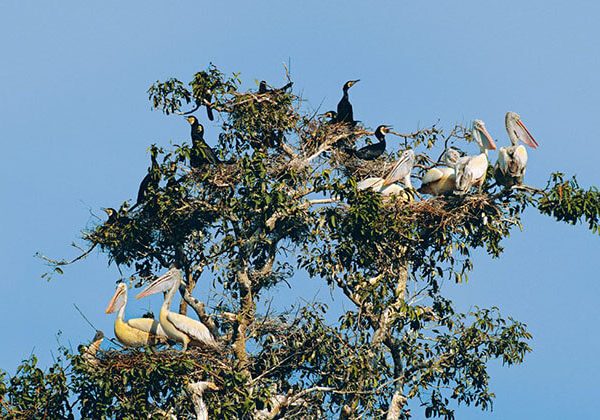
<point x="75" y="124"/>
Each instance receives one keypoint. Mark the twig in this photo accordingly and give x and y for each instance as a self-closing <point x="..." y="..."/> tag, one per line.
<point x="85" y="318"/>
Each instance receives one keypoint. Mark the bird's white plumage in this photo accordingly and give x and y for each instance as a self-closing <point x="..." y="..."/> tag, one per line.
<point x="177" y="327"/>
<point x="373" y="183"/>
<point x="512" y="160"/>
<point x="471" y="170"/>
<point x="195" y="330"/>
<point x="435" y="174"/>
<point x="402" y="169"/>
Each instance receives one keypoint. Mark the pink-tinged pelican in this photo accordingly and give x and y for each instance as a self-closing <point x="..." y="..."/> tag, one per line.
<point x="400" y="172"/>
<point x="135" y="332"/>
<point x="178" y="327"/>
<point x="442" y="180"/>
<point x="470" y="171"/>
<point x="512" y="160"/>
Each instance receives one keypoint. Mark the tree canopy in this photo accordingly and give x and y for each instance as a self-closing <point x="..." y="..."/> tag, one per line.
<point x="281" y="199"/>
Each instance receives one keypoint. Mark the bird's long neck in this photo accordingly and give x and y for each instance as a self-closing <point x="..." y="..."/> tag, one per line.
<point x="482" y="149"/>
<point x="169" y="297"/>
<point x="511" y="133"/>
<point x="121" y="313"/>
<point x="345" y="95"/>
<point x="380" y="136"/>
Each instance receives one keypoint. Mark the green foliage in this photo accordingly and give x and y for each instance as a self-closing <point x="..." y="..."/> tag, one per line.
<point x="34" y="394"/>
<point x="284" y="201"/>
<point x="568" y="202"/>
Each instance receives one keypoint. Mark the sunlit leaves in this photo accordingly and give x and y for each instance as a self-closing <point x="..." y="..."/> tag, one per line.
<point x="566" y="201"/>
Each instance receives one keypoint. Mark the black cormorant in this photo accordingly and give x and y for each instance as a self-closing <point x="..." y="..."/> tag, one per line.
<point x="373" y="151"/>
<point x="115" y="217"/>
<point x="151" y="179"/>
<point x="332" y="115"/>
<point x="206" y="100"/>
<point x="263" y="88"/>
<point x="201" y="152"/>
<point x="112" y="216"/>
<point x="207" y="97"/>
<point x="344" y="108"/>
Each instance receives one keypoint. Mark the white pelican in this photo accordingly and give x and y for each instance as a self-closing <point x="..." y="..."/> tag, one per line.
<point x="512" y="160"/>
<point x="135" y="332"/>
<point x="178" y="327"/>
<point x="373" y="183"/>
<point x="442" y="180"/>
<point x="470" y="171"/>
<point x="400" y="172"/>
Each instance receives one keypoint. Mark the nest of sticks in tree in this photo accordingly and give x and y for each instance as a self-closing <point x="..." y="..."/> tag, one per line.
<point x="361" y="169"/>
<point x="194" y="359"/>
<point x="221" y="175"/>
<point x="445" y="211"/>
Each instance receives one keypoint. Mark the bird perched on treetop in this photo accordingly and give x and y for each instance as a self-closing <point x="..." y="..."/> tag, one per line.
<point x="373" y="151"/>
<point x="512" y="160"/>
<point x="112" y="215"/>
<point x="201" y="152"/>
<point x="206" y="100"/>
<point x="344" y="108"/>
<point x="471" y="171"/>
<point x="263" y="88"/>
<point x="151" y="179"/>
<point x="332" y="115"/>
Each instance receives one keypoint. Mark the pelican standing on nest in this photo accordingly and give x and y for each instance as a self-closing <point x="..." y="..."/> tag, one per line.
<point x="135" y="332"/>
<point x="470" y="171"/>
<point x="441" y="180"/>
<point x="512" y="160"/>
<point x="400" y="172"/>
<point x="178" y="327"/>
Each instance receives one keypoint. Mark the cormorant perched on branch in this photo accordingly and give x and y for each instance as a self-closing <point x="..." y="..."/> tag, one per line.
<point x="344" y="108"/>
<point x="151" y="180"/>
<point x="207" y="99"/>
<point x="262" y="87"/>
<point x="112" y="216"/>
<point x="201" y="152"/>
<point x="373" y="151"/>
<point x="332" y="115"/>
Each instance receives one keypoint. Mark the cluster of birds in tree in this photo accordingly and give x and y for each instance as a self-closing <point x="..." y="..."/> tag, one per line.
<point x="171" y="326"/>
<point x="457" y="176"/>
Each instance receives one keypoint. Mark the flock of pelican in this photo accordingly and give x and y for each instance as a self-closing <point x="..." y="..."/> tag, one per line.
<point x="459" y="174"/>
<point x="171" y="326"/>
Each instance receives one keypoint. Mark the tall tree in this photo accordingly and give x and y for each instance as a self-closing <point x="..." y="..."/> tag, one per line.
<point x="282" y="200"/>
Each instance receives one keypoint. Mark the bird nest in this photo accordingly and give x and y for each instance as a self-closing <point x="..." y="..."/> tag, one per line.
<point x="361" y="169"/>
<point x="449" y="210"/>
<point x="192" y="360"/>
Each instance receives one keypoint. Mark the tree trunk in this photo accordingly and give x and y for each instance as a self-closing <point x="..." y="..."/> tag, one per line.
<point x="244" y="318"/>
<point x="396" y="406"/>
